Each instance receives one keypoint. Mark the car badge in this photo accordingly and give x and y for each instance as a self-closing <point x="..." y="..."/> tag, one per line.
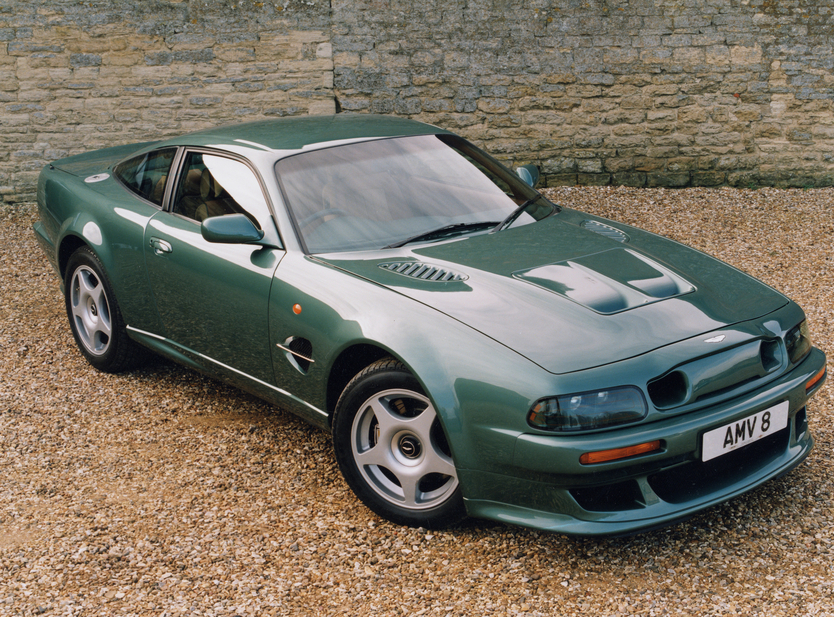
<point x="96" y="178"/>
<point x="715" y="339"/>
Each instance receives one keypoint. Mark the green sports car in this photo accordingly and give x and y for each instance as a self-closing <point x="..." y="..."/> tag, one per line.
<point x="473" y="348"/>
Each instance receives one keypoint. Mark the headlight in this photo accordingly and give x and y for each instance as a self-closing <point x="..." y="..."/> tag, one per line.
<point x="798" y="342"/>
<point x="589" y="410"/>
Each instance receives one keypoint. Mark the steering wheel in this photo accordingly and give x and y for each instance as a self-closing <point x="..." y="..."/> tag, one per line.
<point x="320" y="217"/>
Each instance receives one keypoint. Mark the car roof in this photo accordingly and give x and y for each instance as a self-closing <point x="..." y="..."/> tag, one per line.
<point x="302" y="132"/>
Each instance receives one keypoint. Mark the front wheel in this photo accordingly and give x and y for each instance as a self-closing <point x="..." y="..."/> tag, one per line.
<point x="94" y="315"/>
<point x="392" y="450"/>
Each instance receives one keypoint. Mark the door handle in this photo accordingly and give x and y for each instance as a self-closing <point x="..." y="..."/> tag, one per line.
<point x="160" y="246"/>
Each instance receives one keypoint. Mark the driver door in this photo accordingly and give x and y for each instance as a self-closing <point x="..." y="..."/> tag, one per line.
<point x="212" y="298"/>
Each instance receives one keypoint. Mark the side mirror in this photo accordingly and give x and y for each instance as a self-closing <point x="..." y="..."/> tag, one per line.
<point x="230" y="229"/>
<point x="529" y="174"/>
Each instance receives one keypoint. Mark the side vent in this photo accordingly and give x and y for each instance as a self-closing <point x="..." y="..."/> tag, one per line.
<point x="299" y="352"/>
<point x="425" y="272"/>
<point x="605" y="230"/>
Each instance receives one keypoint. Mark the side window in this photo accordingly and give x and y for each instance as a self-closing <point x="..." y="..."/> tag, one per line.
<point x="147" y="174"/>
<point x="211" y="185"/>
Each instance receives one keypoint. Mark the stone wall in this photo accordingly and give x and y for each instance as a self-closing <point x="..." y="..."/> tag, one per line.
<point x="636" y="92"/>
<point x="81" y="75"/>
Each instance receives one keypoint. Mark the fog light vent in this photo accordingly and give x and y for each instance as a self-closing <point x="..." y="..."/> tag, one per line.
<point x="610" y="497"/>
<point x="800" y="423"/>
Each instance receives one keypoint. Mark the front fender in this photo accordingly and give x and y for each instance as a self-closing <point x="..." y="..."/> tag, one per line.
<point x="475" y="383"/>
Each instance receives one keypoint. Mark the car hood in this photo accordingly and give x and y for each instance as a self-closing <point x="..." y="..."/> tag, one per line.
<point x="572" y="291"/>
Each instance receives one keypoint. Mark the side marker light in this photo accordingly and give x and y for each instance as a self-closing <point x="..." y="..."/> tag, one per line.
<point x="815" y="379"/>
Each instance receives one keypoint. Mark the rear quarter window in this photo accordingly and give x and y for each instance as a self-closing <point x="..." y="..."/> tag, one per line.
<point x="147" y="174"/>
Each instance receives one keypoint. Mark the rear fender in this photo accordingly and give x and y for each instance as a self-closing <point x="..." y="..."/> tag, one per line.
<point x="80" y="230"/>
<point x="106" y="218"/>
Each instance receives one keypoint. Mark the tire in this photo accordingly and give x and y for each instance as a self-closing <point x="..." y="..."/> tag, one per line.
<point x="94" y="315"/>
<point x="392" y="450"/>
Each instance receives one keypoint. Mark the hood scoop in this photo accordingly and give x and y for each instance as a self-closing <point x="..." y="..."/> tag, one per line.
<point x="423" y="271"/>
<point x="609" y="282"/>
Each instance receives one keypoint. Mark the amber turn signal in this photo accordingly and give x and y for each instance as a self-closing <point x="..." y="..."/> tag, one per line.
<point x="815" y="379"/>
<point x="604" y="456"/>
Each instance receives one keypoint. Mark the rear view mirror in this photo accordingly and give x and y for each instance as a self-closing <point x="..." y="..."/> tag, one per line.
<point x="230" y="229"/>
<point x="529" y="174"/>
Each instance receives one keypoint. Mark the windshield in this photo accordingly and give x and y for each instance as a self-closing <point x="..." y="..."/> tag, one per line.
<point x="383" y="193"/>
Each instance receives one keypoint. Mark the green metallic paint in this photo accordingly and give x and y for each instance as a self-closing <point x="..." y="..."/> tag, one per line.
<point x="541" y="505"/>
<point x="493" y="301"/>
<point x="529" y="173"/>
<point x="116" y="220"/>
<point x="544" y="466"/>
<point x="212" y="298"/>
<point x="45" y="242"/>
<point x="295" y="134"/>
<point x="99" y="161"/>
<point x="484" y="349"/>
<point x="231" y="229"/>
<point x="541" y="455"/>
<point x="339" y="311"/>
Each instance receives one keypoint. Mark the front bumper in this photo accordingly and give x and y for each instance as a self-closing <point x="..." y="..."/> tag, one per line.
<point x="550" y="490"/>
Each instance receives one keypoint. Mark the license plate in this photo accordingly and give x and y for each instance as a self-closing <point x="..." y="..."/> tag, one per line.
<point x="745" y="431"/>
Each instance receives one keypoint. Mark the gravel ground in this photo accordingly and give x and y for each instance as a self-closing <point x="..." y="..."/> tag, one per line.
<point x="161" y="492"/>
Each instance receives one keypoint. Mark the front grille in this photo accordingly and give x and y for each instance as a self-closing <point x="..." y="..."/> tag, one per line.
<point x="696" y="479"/>
<point x="668" y="391"/>
<point x="727" y="373"/>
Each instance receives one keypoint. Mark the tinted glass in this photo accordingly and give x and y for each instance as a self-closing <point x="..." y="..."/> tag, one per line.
<point x="213" y="185"/>
<point x="372" y="194"/>
<point x="147" y="174"/>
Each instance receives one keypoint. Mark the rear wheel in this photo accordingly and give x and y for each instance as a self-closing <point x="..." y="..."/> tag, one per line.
<point x="392" y="449"/>
<point x="94" y="315"/>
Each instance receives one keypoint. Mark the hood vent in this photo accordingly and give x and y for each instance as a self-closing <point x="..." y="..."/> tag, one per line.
<point x="425" y="272"/>
<point x="605" y="230"/>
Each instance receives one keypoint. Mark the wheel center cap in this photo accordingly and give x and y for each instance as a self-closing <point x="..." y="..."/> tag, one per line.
<point x="410" y="447"/>
<point x="93" y="309"/>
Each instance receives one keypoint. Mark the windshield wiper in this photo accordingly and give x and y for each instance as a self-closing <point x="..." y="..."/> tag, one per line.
<point x="443" y="231"/>
<point x="515" y="214"/>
